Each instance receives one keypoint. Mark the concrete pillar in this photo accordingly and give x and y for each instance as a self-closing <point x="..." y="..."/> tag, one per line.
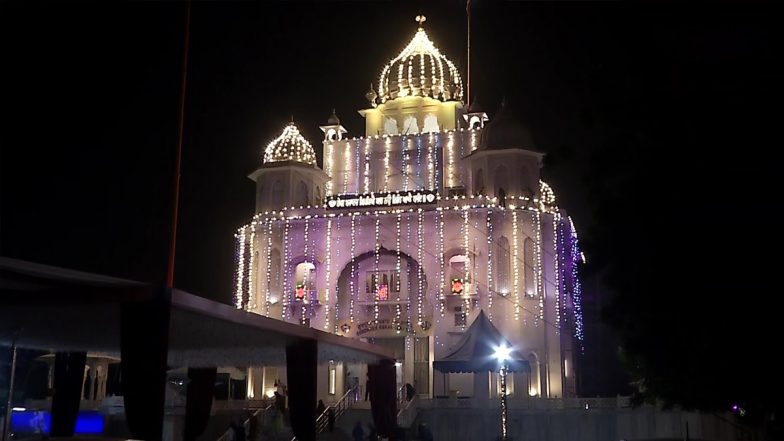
<point x="481" y="388"/>
<point x="50" y="376"/>
<point x="91" y="383"/>
<point x="301" y="365"/>
<point x="84" y="379"/>
<point x="408" y="363"/>
<point x="100" y="390"/>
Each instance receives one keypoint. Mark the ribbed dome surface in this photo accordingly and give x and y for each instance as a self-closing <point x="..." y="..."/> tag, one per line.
<point x="290" y="146"/>
<point x="505" y="132"/>
<point x="420" y="70"/>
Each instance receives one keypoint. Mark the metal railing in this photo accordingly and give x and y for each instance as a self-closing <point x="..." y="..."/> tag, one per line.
<point x="260" y="414"/>
<point x="343" y="404"/>
<point x="406" y="409"/>
<point x="529" y="403"/>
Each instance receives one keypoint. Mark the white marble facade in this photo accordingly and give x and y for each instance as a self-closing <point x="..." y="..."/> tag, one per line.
<point x="405" y="234"/>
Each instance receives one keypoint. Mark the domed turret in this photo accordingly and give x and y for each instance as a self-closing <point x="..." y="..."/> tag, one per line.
<point x="333" y="131"/>
<point x="505" y="132"/>
<point x="290" y="146"/>
<point x="420" y="70"/>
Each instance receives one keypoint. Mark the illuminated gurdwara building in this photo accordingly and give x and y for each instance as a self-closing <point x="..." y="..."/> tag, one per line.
<point x="407" y="233"/>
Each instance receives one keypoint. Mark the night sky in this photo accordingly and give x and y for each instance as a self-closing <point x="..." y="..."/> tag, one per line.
<point x="90" y="100"/>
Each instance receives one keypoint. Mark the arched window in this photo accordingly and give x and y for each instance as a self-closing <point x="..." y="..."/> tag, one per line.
<point x="276" y="197"/>
<point x="410" y="126"/>
<point x="530" y="266"/>
<point x="305" y="282"/>
<point x="390" y="126"/>
<point x="535" y="385"/>
<point x="479" y="182"/>
<point x="503" y="266"/>
<point x="431" y="123"/>
<point x="475" y="122"/>
<point x="332" y="135"/>
<point x="460" y="274"/>
<point x="302" y="195"/>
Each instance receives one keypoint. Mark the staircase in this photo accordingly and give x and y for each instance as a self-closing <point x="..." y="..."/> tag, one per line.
<point x="406" y="410"/>
<point x="340" y="408"/>
<point x="345" y="403"/>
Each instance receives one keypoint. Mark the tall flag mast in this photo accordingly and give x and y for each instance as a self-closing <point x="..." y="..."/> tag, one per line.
<point x="468" y="68"/>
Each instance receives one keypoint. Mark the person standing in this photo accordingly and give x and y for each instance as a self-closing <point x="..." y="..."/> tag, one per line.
<point x="280" y="403"/>
<point x="358" y="433"/>
<point x="253" y="427"/>
<point x="238" y="430"/>
<point x="410" y="392"/>
<point x="331" y="419"/>
<point x="320" y="408"/>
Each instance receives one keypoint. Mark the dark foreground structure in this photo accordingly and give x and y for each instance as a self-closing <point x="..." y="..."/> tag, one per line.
<point x="155" y="329"/>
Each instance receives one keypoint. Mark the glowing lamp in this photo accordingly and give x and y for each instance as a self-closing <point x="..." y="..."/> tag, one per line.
<point x="502" y="353"/>
<point x="383" y="292"/>
<point x="457" y="286"/>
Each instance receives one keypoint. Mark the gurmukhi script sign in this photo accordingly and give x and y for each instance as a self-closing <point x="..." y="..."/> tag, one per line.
<point x="416" y="197"/>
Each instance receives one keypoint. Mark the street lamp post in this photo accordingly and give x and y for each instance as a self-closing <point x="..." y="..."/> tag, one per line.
<point x="502" y="354"/>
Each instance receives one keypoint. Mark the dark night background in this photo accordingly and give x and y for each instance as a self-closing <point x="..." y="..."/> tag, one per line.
<point x="658" y="120"/>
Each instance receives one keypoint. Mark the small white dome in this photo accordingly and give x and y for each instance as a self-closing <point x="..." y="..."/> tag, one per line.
<point x="290" y="146"/>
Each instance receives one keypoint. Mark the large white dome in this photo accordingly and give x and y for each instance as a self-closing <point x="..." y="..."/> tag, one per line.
<point x="420" y="70"/>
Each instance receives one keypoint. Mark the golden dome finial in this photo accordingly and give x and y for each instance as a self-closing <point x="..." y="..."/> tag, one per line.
<point x="421" y="20"/>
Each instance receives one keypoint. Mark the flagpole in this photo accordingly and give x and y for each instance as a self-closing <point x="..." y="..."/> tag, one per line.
<point x="468" y="68"/>
<point x="178" y="160"/>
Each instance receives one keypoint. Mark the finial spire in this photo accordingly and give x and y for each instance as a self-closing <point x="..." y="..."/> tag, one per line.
<point x="421" y="20"/>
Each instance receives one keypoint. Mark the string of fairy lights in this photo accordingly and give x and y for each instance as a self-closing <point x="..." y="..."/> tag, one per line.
<point x="252" y="268"/>
<point x="306" y="274"/>
<point x="287" y="270"/>
<point x="556" y="270"/>
<point x="443" y="81"/>
<point x="516" y="268"/>
<point x="267" y="277"/>
<point x="404" y="158"/>
<point x="290" y="145"/>
<point x="538" y="272"/>
<point x="366" y="173"/>
<point x="328" y="275"/>
<point x="328" y="165"/>
<point x="352" y="285"/>
<point x="466" y="270"/>
<point x="346" y="166"/>
<point x="240" y="267"/>
<point x="376" y="277"/>
<point x="442" y="273"/>
<point x="337" y="285"/>
<point x="420" y="259"/>
<point x="490" y="246"/>
<point x="540" y="294"/>
<point x="398" y="309"/>
<point x="541" y="206"/>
